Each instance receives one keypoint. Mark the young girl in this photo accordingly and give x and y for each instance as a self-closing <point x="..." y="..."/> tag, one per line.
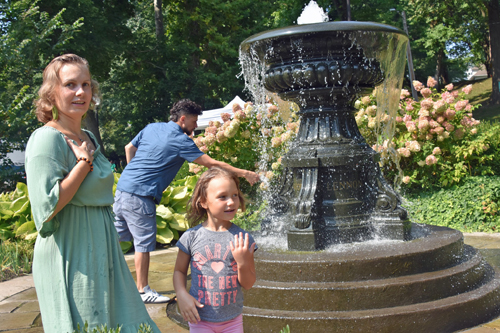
<point x="220" y="253"/>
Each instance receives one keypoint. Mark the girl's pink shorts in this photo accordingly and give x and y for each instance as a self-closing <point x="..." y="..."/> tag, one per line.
<point x="231" y="326"/>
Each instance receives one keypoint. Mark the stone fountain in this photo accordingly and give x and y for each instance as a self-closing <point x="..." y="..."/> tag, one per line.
<point x="332" y="191"/>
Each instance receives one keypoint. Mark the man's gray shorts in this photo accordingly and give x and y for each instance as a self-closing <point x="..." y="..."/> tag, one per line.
<point x="136" y="219"/>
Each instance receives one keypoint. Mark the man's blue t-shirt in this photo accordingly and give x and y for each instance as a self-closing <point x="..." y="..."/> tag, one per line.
<point x="162" y="148"/>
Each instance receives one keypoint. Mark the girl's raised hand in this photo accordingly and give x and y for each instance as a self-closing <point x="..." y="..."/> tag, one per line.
<point x="241" y="252"/>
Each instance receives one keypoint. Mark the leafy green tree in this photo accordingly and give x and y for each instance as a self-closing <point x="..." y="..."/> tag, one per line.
<point x="198" y="59"/>
<point x="494" y="23"/>
<point x="30" y="38"/>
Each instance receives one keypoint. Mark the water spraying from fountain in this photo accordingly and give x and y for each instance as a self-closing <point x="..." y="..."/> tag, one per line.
<point x="312" y="13"/>
<point x="333" y="202"/>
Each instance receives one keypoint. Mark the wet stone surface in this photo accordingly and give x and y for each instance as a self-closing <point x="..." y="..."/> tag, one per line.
<point x="14" y="320"/>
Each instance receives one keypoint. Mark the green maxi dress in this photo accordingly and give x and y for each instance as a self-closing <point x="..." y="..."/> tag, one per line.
<point x="79" y="270"/>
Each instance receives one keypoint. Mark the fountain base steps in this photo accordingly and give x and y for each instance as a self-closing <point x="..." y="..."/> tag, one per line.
<point x="432" y="283"/>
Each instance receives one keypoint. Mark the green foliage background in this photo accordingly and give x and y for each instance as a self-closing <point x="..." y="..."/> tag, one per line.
<point x="469" y="207"/>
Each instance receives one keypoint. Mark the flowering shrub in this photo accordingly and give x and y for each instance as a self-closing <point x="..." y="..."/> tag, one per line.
<point x="436" y="140"/>
<point x="254" y="139"/>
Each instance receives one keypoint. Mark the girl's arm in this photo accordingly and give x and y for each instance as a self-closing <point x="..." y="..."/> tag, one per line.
<point x="187" y="303"/>
<point x="244" y="258"/>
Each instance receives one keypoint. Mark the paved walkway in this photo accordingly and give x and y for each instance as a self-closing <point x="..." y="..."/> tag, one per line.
<point x="19" y="312"/>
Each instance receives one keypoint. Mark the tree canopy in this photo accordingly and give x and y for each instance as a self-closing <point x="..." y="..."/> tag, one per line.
<point x="147" y="54"/>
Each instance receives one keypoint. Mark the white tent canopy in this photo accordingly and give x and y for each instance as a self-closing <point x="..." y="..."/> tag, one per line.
<point x="213" y="115"/>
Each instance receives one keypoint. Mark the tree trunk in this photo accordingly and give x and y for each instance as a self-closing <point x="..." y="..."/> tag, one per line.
<point x="494" y="25"/>
<point x="441" y="70"/>
<point x="158" y="20"/>
<point x="90" y="123"/>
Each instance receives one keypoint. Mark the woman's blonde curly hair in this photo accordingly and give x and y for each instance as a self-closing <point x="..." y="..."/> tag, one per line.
<point x="46" y="95"/>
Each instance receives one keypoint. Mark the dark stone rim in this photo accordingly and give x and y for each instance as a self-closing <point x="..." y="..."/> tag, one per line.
<point x="297" y="30"/>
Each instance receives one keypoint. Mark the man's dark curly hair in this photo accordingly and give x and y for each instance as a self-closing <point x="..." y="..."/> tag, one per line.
<point x="184" y="107"/>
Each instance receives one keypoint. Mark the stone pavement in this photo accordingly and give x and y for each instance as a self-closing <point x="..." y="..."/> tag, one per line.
<point x="19" y="312"/>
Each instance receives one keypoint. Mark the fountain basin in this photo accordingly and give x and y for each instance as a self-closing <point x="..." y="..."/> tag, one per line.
<point x="428" y="284"/>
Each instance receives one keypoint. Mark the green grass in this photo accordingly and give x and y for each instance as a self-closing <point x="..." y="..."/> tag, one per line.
<point x="481" y="91"/>
<point x="16" y="259"/>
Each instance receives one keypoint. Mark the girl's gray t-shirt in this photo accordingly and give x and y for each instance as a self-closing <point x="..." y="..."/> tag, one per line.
<point x="214" y="272"/>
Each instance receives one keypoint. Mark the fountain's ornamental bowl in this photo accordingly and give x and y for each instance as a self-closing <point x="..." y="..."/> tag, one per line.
<point x="329" y="56"/>
<point x="320" y="28"/>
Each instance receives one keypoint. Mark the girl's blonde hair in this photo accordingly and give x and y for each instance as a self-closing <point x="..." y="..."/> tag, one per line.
<point x="46" y="95"/>
<point x="195" y="212"/>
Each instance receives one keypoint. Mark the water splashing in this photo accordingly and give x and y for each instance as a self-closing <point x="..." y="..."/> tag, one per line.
<point x="312" y="13"/>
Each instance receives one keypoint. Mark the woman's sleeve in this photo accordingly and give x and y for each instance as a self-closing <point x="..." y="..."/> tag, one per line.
<point x="46" y="165"/>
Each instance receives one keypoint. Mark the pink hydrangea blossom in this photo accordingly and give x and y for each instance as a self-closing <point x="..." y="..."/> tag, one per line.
<point x="406" y="179"/>
<point x="399" y="119"/>
<point x="455" y="93"/>
<point x="410" y="126"/>
<point x="225" y="116"/>
<point x="468" y="107"/>
<point x="220" y="137"/>
<point x="473" y="131"/>
<point x="427" y="103"/>
<point x="467" y="89"/>
<point x="406" y="118"/>
<point x="439" y="130"/>
<point x="409" y="107"/>
<point x="440" y="119"/>
<point x="276" y="142"/>
<point x="199" y="141"/>
<point x="449" y="87"/>
<point x="424" y="113"/>
<point x="429" y="136"/>
<point x="366" y="100"/>
<point x="204" y="149"/>
<point x="433" y="124"/>
<point x="236" y="107"/>
<point x="423" y="125"/>
<point x="426" y="92"/>
<point x="460" y="105"/>
<point x="404" y="93"/>
<point x="436" y="151"/>
<point x="371" y="110"/>
<point x="240" y="115"/>
<point x="413" y="146"/>
<point x="430" y="160"/>
<point x="210" y="130"/>
<point x="439" y="106"/>
<point x="431" y="82"/>
<point x="450" y="114"/>
<point x="273" y="109"/>
<point x="418" y="85"/>
<point x="449" y="127"/>
<point x="210" y="139"/>
<point x="404" y="152"/>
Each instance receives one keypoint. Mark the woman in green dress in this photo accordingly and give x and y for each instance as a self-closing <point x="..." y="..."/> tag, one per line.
<point x="79" y="270"/>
